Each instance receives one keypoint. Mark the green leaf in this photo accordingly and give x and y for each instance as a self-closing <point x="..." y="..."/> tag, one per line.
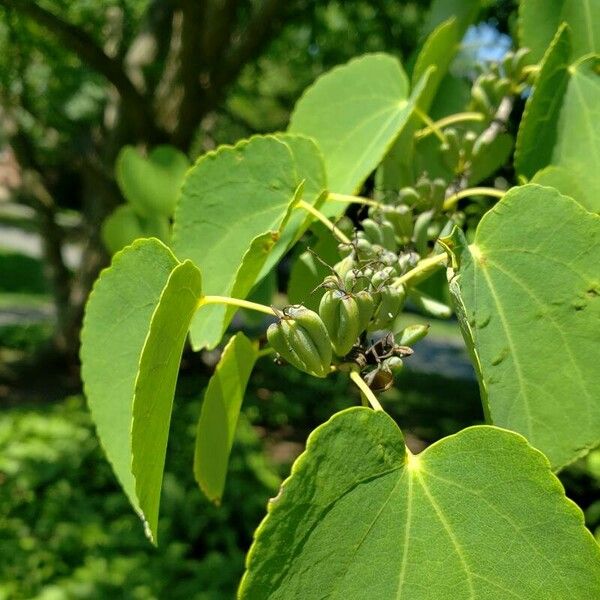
<point x="124" y="225"/>
<point x="438" y="51"/>
<point x="490" y="158"/>
<point x="530" y="286"/>
<point x="135" y="325"/>
<point x="219" y="415"/>
<point x="560" y="178"/>
<point x="463" y="11"/>
<point x="151" y="185"/>
<point x="477" y="515"/>
<point x="561" y="124"/>
<point x="538" y="127"/>
<point x="577" y="146"/>
<point x="539" y="20"/>
<point x="155" y="386"/>
<point x="355" y="112"/>
<point x="453" y="96"/>
<point x="233" y="204"/>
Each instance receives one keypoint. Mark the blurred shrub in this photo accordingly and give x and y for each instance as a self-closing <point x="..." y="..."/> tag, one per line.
<point x="68" y="532"/>
<point x="21" y="274"/>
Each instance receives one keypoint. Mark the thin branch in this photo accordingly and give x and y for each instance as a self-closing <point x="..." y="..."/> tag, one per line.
<point x="261" y="28"/>
<point x="82" y="44"/>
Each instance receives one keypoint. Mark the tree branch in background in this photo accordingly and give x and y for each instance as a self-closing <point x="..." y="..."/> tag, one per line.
<point x="35" y="193"/>
<point x="207" y="68"/>
<point x="135" y="105"/>
<point x="264" y="24"/>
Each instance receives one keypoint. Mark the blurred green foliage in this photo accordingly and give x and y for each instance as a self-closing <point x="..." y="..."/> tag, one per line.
<point x="67" y="530"/>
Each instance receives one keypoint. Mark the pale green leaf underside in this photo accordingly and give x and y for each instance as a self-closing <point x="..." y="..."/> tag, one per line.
<point x="438" y="51"/>
<point x="219" y="415"/>
<point x="229" y="198"/>
<point x="538" y="127"/>
<point x="531" y="290"/>
<point x="126" y="299"/>
<point x="155" y="386"/>
<point x="477" y="516"/>
<point x="151" y="184"/>
<point x="539" y="20"/>
<point x="354" y="112"/>
<point x="577" y="148"/>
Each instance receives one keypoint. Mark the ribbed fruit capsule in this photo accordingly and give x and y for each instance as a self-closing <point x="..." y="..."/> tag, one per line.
<point x="388" y="236"/>
<point x="341" y="316"/>
<point x="366" y="308"/>
<point x="372" y="231"/>
<point x="390" y="305"/>
<point x="343" y="266"/>
<point x="383" y="277"/>
<point x="300" y="337"/>
<point x="411" y="335"/>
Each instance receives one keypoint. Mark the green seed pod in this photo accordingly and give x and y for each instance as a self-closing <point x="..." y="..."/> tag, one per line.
<point x="502" y="87"/>
<point x="366" y="308"/>
<point x="301" y="338"/>
<point x="388" y="236"/>
<point x="508" y="63"/>
<point x="438" y="193"/>
<point x="518" y="62"/>
<point x="339" y="312"/>
<point x="390" y="305"/>
<point x="409" y="196"/>
<point x="394" y="364"/>
<point x="411" y="335"/>
<point x="389" y="259"/>
<point x="468" y="143"/>
<point x="344" y="265"/>
<point x="364" y="248"/>
<point x="401" y="219"/>
<point x="373" y="231"/>
<point x="453" y="139"/>
<point x="355" y="281"/>
<point x="450" y="156"/>
<point x="429" y="305"/>
<point x="408" y="261"/>
<point x="481" y="100"/>
<point x="382" y="277"/>
<point x="420" y="234"/>
<point x="345" y="249"/>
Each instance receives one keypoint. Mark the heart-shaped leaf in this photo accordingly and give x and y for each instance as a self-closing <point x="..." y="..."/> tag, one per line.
<point x="478" y="515"/>
<point x="355" y="112"/>
<point x="530" y="290"/>
<point x="151" y="184"/>
<point x="219" y="416"/>
<point x="135" y="325"/>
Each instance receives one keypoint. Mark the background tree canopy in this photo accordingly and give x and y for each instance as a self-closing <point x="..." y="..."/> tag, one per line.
<point x="79" y="80"/>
